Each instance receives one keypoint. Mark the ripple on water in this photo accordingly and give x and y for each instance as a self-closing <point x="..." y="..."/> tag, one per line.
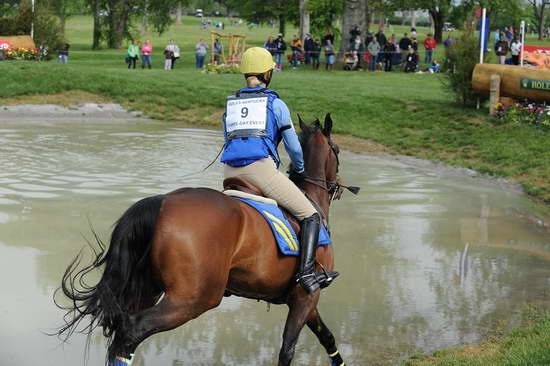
<point x="4" y="218"/>
<point x="34" y="187"/>
<point x="7" y="201"/>
<point x="99" y="192"/>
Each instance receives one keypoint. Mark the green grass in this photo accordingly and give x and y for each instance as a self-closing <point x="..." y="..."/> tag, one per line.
<point x="409" y="114"/>
<point x="525" y="346"/>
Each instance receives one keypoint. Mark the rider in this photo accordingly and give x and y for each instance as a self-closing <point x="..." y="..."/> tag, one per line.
<point x="255" y="121"/>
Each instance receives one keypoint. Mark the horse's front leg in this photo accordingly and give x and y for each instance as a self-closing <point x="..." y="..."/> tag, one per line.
<point x="300" y="307"/>
<point x="318" y="327"/>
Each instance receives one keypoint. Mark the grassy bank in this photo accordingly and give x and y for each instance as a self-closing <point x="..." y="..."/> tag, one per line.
<point x="408" y="114"/>
<point x="525" y="346"/>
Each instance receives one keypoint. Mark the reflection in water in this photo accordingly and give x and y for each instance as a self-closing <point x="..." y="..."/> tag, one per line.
<point x="429" y="259"/>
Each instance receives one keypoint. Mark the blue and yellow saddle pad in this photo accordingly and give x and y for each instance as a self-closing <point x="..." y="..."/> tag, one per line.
<point x="282" y="230"/>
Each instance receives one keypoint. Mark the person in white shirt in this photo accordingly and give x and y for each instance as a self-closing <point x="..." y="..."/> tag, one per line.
<point x="515" y="49"/>
<point x="174" y="48"/>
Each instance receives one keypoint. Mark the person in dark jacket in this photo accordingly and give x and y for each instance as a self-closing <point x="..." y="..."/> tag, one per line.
<point x="382" y="40"/>
<point x="411" y="62"/>
<point x="308" y="48"/>
<point x="404" y="45"/>
<point x="316" y="54"/>
<point x="280" y="48"/>
<point x="389" y="50"/>
<point x="329" y="36"/>
<point x="501" y="49"/>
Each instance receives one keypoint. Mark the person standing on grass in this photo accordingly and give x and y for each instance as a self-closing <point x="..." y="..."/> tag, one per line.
<point x="329" y="36"/>
<point x="448" y="42"/>
<point x="280" y="48"/>
<point x="168" y="54"/>
<point x="515" y="50"/>
<point x="411" y="62"/>
<point x="270" y="45"/>
<point x="174" y="48"/>
<point x="501" y="49"/>
<point x="497" y="36"/>
<point x="146" y="52"/>
<point x="297" y="50"/>
<point x="390" y="50"/>
<point x="329" y="55"/>
<point x="64" y="54"/>
<point x="404" y="44"/>
<point x="133" y="53"/>
<point x="308" y="48"/>
<point x="429" y="46"/>
<point x="374" y="50"/>
<point x="358" y="50"/>
<point x="200" y="53"/>
<point x="382" y="40"/>
<point x="315" y="54"/>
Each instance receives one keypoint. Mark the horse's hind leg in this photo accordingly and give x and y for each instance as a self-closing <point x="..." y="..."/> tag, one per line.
<point x="317" y="326"/>
<point x="300" y="307"/>
<point x="171" y="312"/>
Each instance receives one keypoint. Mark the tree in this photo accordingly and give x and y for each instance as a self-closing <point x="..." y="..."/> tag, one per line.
<point x="323" y="14"/>
<point x="64" y="9"/>
<point x="261" y="11"/>
<point x="439" y="12"/>
<point x="538" y="7"/>
<point x="304" y="18"/>
<point x="354" y="17"/>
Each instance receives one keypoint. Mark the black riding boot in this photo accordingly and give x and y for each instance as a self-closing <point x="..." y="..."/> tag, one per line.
<point x="309" y="238"/>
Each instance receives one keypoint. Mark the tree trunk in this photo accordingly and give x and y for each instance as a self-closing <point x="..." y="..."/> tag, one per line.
<point x="282" y="24"/>
<point x="179" y="10"/>
<point x="367" y="16"/>
<point x="413" y="19"/>
<point x="118" y="20"/>
<point x="304" y="19"/>
<point x="354" y="15"/>
<point x="438" y="20"/>
<point x="96" y="42"/>
<point x="541" y="20"/>
<point x="403" y="17"/>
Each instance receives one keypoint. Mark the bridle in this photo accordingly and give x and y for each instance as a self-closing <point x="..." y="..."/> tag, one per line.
<point x="334" y="188"/>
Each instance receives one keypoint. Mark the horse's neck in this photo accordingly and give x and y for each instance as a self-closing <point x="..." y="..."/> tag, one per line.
<point x="318" y="194"/>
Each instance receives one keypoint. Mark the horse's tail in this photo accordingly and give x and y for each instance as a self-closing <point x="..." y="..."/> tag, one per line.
<point x="126" y="284"/>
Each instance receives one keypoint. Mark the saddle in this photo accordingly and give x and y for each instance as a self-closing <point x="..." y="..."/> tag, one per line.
<point x="237" y="184"/>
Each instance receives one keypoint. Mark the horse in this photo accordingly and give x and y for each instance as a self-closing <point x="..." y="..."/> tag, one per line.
<point x="174" y="256"/>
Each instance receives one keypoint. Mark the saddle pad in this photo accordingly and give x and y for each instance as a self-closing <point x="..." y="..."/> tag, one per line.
<point x="282" y="230"/>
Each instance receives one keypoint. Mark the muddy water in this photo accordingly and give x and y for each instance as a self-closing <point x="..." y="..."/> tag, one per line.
<point x="430" y="258"/>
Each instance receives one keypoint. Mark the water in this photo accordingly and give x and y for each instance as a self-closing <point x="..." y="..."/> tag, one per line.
<point x="429" y="258"/>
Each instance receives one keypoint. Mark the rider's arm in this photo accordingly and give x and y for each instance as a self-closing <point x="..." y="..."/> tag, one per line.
<point x="290" y="138"/>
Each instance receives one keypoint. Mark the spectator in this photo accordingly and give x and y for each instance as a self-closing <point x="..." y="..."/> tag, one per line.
<point x="374" y="50"/>
<point x="280" y="46"/>
<point x="515" y="49"/>
<point x="270" y="45"/>
<point x="429" y="46"/>
<point x="434" y="67"/>
<point x="497" y="35"/>
<point x="308" y="47"/>
<point x="404" y="44"/>
<point x="354" y="32"/>
<point x="329" y="36"/>
<point x="509" y="34"/>
<point x="146" y="52"/>
<point x="64" y="54"/>
<point x="315" y="54"/>
<point x="414" y="44"/>
<point x="133" y="52"/>
<point x="358" y="50"/>
<point x="44" y="51"/>
<point x="218" y="51"/>
<point x="174" y="48"/>
<point x="329" y="55"/>
<point x="382" y="40"/>
<point x="501" y="49"/>
<point x="413" y="31"/>
<point x="411" y="62"/>
<point x="168" y="54"/>
<point x="390" y="50"/>
<point x="200" y="53"/>
<point x="448" y="42"/>
<point x="297" y="50"/>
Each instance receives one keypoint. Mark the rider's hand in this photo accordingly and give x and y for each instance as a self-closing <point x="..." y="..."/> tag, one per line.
<point x="297" y="177"/>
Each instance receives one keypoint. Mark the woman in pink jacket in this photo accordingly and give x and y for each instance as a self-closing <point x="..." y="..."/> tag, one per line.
<point x="146" y="50"/>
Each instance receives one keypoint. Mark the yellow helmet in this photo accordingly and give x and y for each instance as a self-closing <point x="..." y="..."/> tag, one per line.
<point x="256" y="60"/>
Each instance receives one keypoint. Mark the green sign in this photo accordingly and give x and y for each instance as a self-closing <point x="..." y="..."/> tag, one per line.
<point x="535" y="84"/>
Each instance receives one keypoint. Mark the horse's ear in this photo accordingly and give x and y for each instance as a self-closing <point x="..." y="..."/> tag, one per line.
<point x="328" y="125"/>
<point x="303" y="126"/>
<point x="317" y="123"/>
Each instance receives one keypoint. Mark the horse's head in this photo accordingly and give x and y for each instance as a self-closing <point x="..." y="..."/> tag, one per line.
<point x="321" y="158"/>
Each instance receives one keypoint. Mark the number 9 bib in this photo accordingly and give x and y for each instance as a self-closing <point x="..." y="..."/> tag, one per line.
<point x="246" y="116"/>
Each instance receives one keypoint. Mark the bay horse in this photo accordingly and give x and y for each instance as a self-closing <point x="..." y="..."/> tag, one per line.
<point x="172" y="257"/>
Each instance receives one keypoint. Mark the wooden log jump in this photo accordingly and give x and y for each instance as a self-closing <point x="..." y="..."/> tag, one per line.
<point x="516" y="82"/>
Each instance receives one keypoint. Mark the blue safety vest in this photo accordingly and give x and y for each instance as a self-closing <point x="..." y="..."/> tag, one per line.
<point x="247" y="146"/>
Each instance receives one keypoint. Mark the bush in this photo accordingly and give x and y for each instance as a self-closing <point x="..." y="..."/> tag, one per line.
<point x="460" y="60"/>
